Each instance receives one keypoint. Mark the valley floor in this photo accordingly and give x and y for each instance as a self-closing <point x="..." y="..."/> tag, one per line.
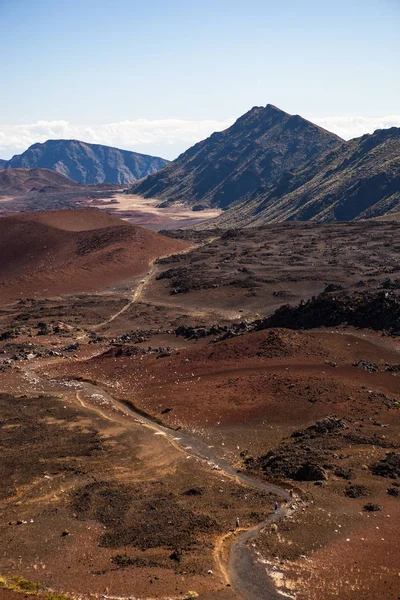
<point x="136" y="455"/>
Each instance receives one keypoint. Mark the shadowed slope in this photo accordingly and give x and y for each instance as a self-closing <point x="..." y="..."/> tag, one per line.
<point x="230" y="165"/>
<point x="358" y="180"/>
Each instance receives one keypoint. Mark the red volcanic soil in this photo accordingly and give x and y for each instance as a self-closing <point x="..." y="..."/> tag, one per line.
<point x="287" y="378"/>
<point x="17" y="181"/>
<point x="247" y="396"/>
<point x="61" y="252"/>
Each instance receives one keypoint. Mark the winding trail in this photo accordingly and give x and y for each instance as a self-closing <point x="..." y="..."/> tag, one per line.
<point x="244" y="572"/>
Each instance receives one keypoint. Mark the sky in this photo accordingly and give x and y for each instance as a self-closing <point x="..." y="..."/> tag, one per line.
<point x="156" y="76"/>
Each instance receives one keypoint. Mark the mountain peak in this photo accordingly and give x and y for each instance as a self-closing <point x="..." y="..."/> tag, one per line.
<point x="271" y="108"/>
<point x="228" y="167"/>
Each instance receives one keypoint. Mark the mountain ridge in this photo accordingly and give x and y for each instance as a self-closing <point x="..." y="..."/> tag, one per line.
<point x="85" y="162"/>
<point x="230" y="165"/>
<point x="358" y="180"/>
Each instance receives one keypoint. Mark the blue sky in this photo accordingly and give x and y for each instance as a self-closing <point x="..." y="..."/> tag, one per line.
<point x="157" y="75"/>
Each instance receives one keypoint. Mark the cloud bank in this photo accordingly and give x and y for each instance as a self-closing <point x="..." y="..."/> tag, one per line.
<point x="162" y="137"/>
<point x="351" y="127"/>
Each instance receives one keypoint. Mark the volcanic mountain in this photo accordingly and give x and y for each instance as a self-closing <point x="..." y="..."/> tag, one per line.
<point x="87" y="163"/>
<point x="229" y="166"/>
<point x="61" y="252"/>
<point x="358" y="180"/>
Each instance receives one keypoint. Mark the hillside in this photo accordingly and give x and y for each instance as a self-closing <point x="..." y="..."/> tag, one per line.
<point x="60" y="252"/>
<point x="87" y="163"/>
<point x="21" y="181"/>
<point x="358" y="180"/>
<point x="229" y="166"/>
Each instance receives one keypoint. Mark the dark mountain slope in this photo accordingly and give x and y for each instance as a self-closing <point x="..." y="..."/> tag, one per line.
<point x="230" y="165"/>
<point x="87" y="163"/>
<point x="2" y="163"/>
<point x="358" y="180"/>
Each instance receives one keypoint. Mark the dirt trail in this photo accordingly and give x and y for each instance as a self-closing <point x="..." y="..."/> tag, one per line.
<point x="139" y="289"/>
<point x="135" y="297"/>
<point x="244" y="572"/>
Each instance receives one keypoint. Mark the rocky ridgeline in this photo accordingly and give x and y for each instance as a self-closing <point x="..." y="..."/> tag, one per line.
<point x="375" y="310"/>
<point x="370" y="310"/>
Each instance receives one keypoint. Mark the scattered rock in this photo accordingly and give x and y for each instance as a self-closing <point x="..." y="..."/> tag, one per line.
<point x="356" y="491"/>
<point x="366" y="366"/>
<point x="176" y="555"/>
<point x="370" y="507"/>
<point x="194" y="492"/>
<point x="389" y="466"/>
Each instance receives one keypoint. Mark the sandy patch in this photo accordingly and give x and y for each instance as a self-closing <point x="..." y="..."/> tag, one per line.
<point x="145" y="211"/>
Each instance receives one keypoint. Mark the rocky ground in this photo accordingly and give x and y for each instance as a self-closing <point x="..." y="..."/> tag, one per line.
<point x="97" y="501"/>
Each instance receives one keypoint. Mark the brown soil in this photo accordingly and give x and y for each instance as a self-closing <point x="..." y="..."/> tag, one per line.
<point x="42" y="256"/>
<point x="112" y="506"/>
<point x="286" y="381"/>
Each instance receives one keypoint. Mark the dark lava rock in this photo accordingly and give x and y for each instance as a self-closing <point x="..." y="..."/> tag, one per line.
<point x="194" y="492"/>
<point x="389" y="466"/>
<point x="324" y="426"/>
<point x="332" y="287"/>
<point x="71" y="347"/>
<point x="356" y="491"/>
<point x="310" y="472"/>
<point x="344" y="473"/>
<point x="176" y="555"/>
<point x="370" y="507"/>
<point x="367" y="366"/>
<point x="393" y="492"/>
<point x="377" y="310"/>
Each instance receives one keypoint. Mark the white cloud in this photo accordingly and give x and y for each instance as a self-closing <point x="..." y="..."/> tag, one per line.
<point x="165" y="137"/>
<point x="351" y="127"/>
<point x="162" y="137"/>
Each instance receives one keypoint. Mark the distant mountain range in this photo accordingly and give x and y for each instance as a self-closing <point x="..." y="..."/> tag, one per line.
<point x="231" y="165"/>
<point x="87" y="163"/>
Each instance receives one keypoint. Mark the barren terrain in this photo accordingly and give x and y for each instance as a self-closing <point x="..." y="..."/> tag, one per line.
<point x="148" y="427"/>
<point x="147" y="212"/>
